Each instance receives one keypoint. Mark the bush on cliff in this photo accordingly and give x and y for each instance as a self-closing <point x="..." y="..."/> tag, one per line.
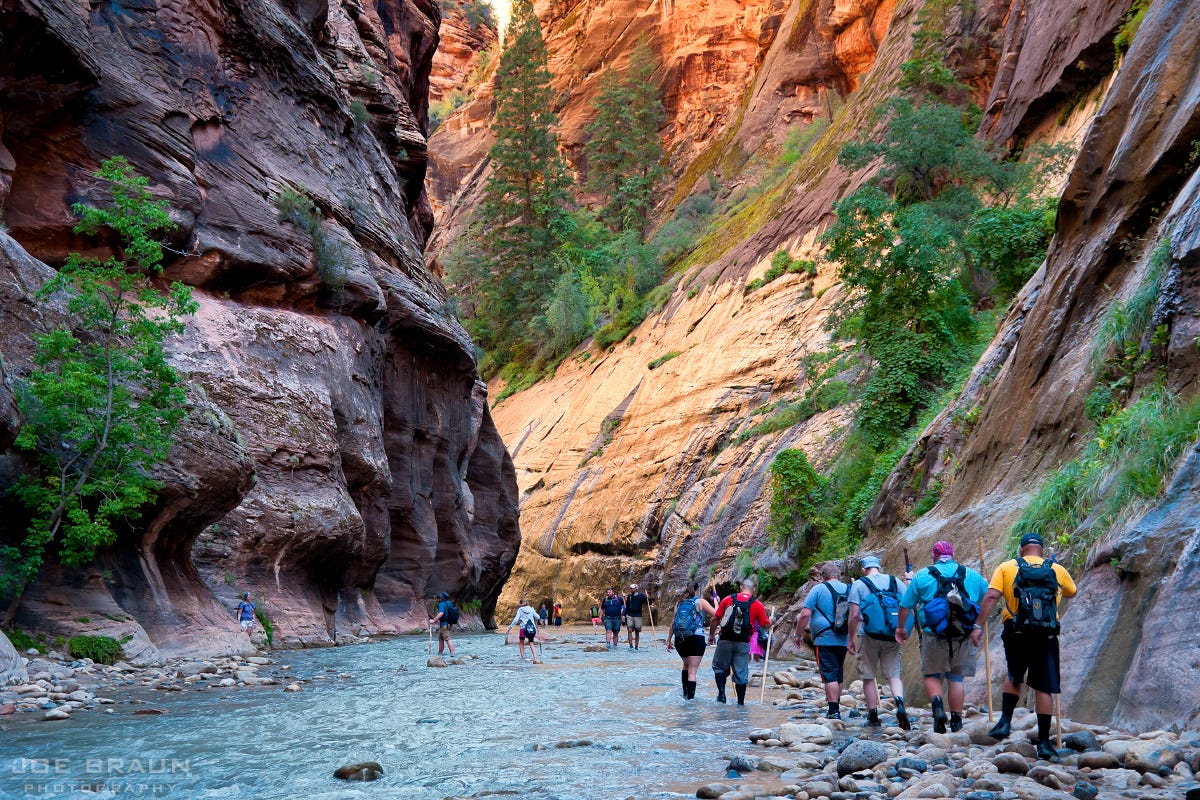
<point x="101" y="649"/>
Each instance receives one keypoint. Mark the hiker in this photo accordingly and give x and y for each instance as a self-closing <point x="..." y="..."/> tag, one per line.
<point x="687" y="635"/>
<point x="557" y="614"/>
<point x="1031" y="587"/>
<point x="945" y="597"/>
<point x="826" y="615"/>
<point x="447" y="615"/>
<point x="526" y="623"/>
<point x="871" y="637"/>
<point x="543" y="615"/>
<point x="758" y="640"/>
<point x="735" y="618"/>
<point x="595" y="616"/>
<point x="245" y="613"/>
<point x="613" y="609"/>
<point x="634" y="602"/>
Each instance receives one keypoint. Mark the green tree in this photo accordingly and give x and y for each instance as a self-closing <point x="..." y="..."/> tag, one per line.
<point x="101" y="404"/>
<point x="624" y="151"/>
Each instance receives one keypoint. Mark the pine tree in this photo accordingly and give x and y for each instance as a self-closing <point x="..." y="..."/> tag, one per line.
<point x="624" y="151"/>
<point x="523" y="211"/>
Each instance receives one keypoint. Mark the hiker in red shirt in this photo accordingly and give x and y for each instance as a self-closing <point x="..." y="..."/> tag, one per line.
<point x="735" y="619"/>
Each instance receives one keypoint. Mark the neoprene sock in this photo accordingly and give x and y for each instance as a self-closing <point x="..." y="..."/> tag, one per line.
<point x="835" y="708"/>
<point x="1008" y="704"/>
<point x="683" y="679"/>
<point x="1044" y="727"/>
<point x="955" y="721"/>
<point x="740" y="688"/>
<point x="690" y="692"/>
<point x="720" y="688"/>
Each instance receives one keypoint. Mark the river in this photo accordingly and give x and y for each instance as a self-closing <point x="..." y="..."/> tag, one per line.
<point x="468" y="730"/>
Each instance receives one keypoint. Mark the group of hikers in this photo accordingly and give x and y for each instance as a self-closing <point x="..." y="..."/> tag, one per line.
<point x="616" y="611"/>
<point x="871" y="619"/>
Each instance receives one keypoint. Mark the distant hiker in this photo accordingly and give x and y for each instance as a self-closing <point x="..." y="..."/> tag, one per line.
<point x="526" y="622"/>
<point x="543" y="615"/>
<point x="635" y="601"/>
<point x="1031" y="588"/>
<point x="245" y="613"/>
<point x="945" y="596"/>
<point x="595" y="616"/>
<point x="687" y="635"/>
<point x="613" y="608"/>
<point x="758" y="638"/>
<point x="447" y="615"/>
<point x="735" y="618"/>
<point x="557" y="614"/>
<point x="871" y="637"/>
<point x="826" y="614"/>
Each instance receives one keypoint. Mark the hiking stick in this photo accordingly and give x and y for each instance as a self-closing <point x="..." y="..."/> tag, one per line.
<point x="1058" y="722"/>
<point x="907" y="563"/>
<point x="429" y="647"/>
<point x="767" y="658"/>
<point x="653" y="630"/>
<point x="987" y="651"/>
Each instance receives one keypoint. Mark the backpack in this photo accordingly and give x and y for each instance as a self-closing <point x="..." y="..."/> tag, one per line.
<point x="450" y="615"/>
<point x="687" y="618"/>
<point x="840" y="621"/>
<point x="1036" y="590"/>
<point x="881" y="617"/>
<point x="530" y="629"/>
<point x="950" y="614"/>
<point x="735" y="622"/>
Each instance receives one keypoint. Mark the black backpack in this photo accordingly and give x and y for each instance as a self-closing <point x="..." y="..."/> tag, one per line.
<point x="951" y="614"/>
<point x="1036" y="590"/>
<point x="840" y="621"/>
<point x="735" y="623"/>
<point x="450" y="615"/>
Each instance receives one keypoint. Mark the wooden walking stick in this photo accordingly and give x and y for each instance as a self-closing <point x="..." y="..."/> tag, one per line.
<point x="653" y="630"/>
<point x="762" y="693"/>
<point x="429" y="647"/>
<point x="987" y="652"/>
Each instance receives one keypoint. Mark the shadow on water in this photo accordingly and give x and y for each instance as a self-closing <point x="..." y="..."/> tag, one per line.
<point x="462" y="731"/>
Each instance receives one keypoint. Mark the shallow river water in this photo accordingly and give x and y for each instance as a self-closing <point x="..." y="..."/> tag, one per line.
<point x="463" y="730"/>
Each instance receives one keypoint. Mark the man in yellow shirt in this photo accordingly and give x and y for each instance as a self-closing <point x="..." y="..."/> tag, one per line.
<point x="1031" y="588"/>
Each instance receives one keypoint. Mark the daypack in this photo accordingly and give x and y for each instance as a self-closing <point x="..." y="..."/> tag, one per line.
<point x="530" y="629"/>
<point x="881" y="617"/>
<point x="688" y="618"/>
<point x="950" y="614"/>
<point x="840" y="621"/>
<point x="1036" y="590"/>
<point x="450" y="615"/>
<point x="735" y="622"/>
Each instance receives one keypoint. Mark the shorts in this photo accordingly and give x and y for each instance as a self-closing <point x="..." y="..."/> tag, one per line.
<point x="688" y="646"/>
<point x="877" y="659"/>
<point x="831" y="662"/>
<point x="528" y="633"/>
<point x="634" y="623"/>
<point x="443" y="633"/>
<point x="732" y="657"/>
<point x="246" y="624"/>
<point x="952" y="659"/>
<point x="612" y="624"/>
<point x="1031" y="659"/>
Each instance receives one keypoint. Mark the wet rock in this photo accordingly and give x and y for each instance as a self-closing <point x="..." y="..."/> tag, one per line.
<point x="743" y="764"/>
<point x="861" y="755"/>
<point x="435" y="661"/>
<point x="596" y="648"/>
<point x="292" y="687"/>
<point x="1081" y="741"/>
<point x="366" y="771"/>
<point x="194" y="668"/>
<point x="149" y="712"/>
<point x="1098" y="760"/>
<point x="792" y="733"/>
<point x="1012" y="763"/>
<point x="738" y="794"/>
<point x="1150" y="756"/>
<point x="7" y="708"/>
<point x="914" y="764"/>
<point x="567" y="744"/>
<point x="711" y="791"/>
<point x="1119" y="778"/>
<point x="56" y="714"/>
<point x="1054" y="777"/>
<point x="761" y="734"/>
<point x="819" y="789"/>
<point x="776" y="764"/>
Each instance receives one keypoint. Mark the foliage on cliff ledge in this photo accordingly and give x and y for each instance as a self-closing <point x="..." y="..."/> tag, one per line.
<point x="101" y="405"/>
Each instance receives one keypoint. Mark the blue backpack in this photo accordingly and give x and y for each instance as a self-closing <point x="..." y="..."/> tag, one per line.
<point x="881" y="616"/>
<point x="688" y="617"/>
<point x="951" y="614"/>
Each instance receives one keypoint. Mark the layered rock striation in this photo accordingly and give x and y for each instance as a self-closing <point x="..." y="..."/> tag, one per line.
<point x="339" y="460"/>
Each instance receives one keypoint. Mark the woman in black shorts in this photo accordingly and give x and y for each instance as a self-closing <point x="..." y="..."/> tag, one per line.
<point x="688" y="635"/>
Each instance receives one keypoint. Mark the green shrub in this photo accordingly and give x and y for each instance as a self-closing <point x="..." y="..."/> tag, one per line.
<point x="358" y="110"/>
<point x="22" y="641"/>
<point x="329" y="255"/>
<point x="796" y="492"/>
<point x="1130" y="24"/>
<point x="267" y="627"/>
<point x="101" y="649"/>
<point x="658" y="362"/>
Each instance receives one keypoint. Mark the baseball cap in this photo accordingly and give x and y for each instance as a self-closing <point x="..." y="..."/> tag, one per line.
<point x="443" y="596"/>
<point x="633" y="586"/>
<point x="869" y="562"/>
<point x="1032" y="538"/>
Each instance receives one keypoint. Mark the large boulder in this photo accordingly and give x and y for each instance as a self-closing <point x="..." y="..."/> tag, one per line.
<point x="12" y="666"/>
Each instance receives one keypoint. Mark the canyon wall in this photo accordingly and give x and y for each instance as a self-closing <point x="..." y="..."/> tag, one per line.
<point x="339" y="460"/>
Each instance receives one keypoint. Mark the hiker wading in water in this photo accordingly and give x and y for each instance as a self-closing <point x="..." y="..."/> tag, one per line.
<point x="245" y="613"/>
<point x="526" y="622"/>
<point x="445" y="611"/>
<point x="687" y="635"/>
<point x="826" y="614"/>
<point x="735" y="618"/>
<point x="871" y="638"/>
<point x="1031" y="588"/>
<point x="945" y="597"/>
<point x="635" y="601"/>
<point x="612" y="608"/>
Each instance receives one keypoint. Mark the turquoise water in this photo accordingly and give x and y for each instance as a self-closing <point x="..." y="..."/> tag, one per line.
<point x="439" y="733"/>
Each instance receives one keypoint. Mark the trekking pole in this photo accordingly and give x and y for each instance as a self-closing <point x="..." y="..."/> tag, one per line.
<point x="653" y="630"/>
<point x="1057" y="707"/>
<point x="429" y="629"/>
<point x="987" y="651"/>
<point x="907" y="562"/>
<point x="762" y="693"/>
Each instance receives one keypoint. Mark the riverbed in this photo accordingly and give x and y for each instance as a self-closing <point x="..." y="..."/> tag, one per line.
<point x="580" y="725"/>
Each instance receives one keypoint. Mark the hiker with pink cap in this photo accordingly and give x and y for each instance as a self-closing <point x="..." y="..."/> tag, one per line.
<point x="945" y="597"/>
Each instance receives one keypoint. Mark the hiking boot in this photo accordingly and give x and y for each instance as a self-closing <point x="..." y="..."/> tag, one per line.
<point x="939" y="715"/>
<point x="721" y="696"/>
<point x="1046" y="751"/>
<point x="1001" y="729"/>
<point x="833" y="715"/>
<point x="956" y="722"/>
<point x="873" y="718"/>
<point x="902" y="719"/>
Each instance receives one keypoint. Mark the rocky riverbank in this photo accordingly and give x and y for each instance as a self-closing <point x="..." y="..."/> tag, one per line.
<point x="811" y="757"/>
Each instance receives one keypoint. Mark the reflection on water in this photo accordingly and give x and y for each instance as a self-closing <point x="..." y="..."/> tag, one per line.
<point x="438" y="733"/>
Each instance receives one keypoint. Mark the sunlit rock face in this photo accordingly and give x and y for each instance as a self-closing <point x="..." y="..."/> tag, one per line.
<point x="340" y="462"/>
